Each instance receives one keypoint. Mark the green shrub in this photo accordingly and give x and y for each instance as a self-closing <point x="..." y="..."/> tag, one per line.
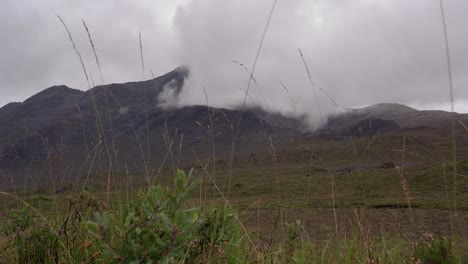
<point x="37" y="244"/>
<point x="433" y="249"/>
<point x="39" y="239"/>
<point x="293" y="230"/>
<point x="20" y="218"/>
<point x="159" y="228"/>
<point x="34" y="240"/>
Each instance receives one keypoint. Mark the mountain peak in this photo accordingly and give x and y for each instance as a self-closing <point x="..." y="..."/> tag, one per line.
<point x="57" y="91"/>
<point x="388" y="107"/>
<point x="184" y="70"/>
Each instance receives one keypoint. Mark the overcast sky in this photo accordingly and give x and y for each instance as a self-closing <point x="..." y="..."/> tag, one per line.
<point x="360" y="52"/>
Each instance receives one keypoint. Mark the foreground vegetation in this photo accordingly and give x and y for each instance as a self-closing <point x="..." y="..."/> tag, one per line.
<point x="165" y="224"/>
<point x="308" y="202"/>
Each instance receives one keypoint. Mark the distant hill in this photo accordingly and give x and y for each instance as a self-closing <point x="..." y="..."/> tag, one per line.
<point x="382" y="118"/>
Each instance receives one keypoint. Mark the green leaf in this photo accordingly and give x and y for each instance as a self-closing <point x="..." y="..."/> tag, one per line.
<point x="92" y="226"/>
<point x="107" y="220"/>
<point x="129" y="219"/>
<point x="181" y="180"/>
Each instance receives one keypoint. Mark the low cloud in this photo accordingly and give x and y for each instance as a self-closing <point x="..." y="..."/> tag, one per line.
<point x="169" y="96"/>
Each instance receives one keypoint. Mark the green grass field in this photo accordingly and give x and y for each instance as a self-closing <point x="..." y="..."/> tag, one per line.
<point x="303" y="201"/>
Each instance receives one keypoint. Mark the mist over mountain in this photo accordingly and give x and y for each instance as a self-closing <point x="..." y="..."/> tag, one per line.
<point x="139" y="126"/>
<point x="131" y="125"/>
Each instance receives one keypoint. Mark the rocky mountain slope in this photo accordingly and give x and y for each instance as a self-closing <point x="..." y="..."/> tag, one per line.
<point x="124" y="127"/>
<point x="62" y="130"/>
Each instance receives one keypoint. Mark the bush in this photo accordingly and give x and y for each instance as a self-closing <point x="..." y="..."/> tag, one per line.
<point x="37" y="239"/>
<point x="159" y="228"/>
<point x="434" y="249"/>
<point x="37" y="244"/>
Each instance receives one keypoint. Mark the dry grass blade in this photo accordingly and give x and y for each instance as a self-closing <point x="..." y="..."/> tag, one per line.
<point x="94" y="51"/>
<point x="329" y="97"/>
<point x="250" y="97"/>
<point x="211" y="132"/>
<point x="256" y="84"/>
<point x="108" y="109"/>
<point x="313" y="86"/>
<point x="8" y="249"/>
<point x="247" y="70"/>
<point x="277" y="181"/>
<point x="92" y="79"/>
<point x="99" y="127"/>
<point x="290" y="97"/>
<point x="333" y="192"/>
<point x="448" y="199"/>
<point x="464" y="126"/>
<point x="236" y="132"/>
<point x="258" y="51"/>
<point x="452" y="108"/>
<point x="141" y="56"/>
<point x="403" y="181"/>
<point x="447" y="54"/>
<point x="231" y="208"/>
<point x="76" y="50"/>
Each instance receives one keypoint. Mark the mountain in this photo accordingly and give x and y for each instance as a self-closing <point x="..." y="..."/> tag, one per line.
<point x="68" y="132"/>
<point x="386" y="117"/>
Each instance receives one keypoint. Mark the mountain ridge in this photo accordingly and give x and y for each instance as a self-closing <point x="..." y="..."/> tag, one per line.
<point x="114" y="122"/>
<point x="125" y="128"/>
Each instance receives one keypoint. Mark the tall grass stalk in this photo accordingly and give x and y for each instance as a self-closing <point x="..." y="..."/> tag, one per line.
<point x="94" y="51"/>
<point x="78" y="54"/>
<point x="211" y="135"/>
<point x="259" y="50"/>
<point x="169" y="141"/>
<point x="356" y="164"/>
<point x="249" y="84"/>
<point x="147" y="159"/>
<point x="99" y="127"/>
<point x="290" y="97"/>
<point x="452" y="108"/>
<point x="277" y="180"/>
<point x="109" y="155"/>
<point x="313" y="87"/>
<point x="226" y="201"/>
<point x="403" y="181"/>
<point x="309" y="180"/>
<point x="141" y="57"/>
<point x="448" y="200"/>
<point x="255" y="83"/>
<point x="255" y="104"/>
<point x="333" y="192"/>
